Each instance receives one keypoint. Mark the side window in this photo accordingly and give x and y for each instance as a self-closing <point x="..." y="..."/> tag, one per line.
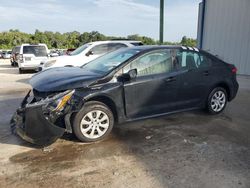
<point x="156" y="62"/>
<point x="192" y="60"/>
<point x="100" y="49"/>
<point x="187" y="60"/>
<point x="205" y="61"/>
<point x="115" y="46"/>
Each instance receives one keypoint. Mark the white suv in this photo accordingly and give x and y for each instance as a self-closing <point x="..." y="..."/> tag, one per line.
<point x="31" y="55"/>
<point x="87" y="53"/>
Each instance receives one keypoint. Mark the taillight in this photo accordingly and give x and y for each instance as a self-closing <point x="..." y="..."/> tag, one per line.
<point x="20" y="57"/>
<point x="234" y="70"/>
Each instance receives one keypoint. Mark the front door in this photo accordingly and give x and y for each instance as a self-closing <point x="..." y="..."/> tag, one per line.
<point x="155" y="88"/>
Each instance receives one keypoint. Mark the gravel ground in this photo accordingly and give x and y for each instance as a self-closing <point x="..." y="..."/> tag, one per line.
<point x="190" y="149"/>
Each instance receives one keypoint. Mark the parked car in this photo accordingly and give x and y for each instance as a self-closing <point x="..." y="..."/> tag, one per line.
<point x="31" y="55"/>
<point x="13" y="58"/>
<point x="6" y="54"/>
<point x="87" y="53"/>
<point x="53" y="53"/>
<point x="124" y="85"/>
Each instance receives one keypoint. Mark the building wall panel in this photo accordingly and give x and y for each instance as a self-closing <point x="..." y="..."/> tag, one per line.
<point x="227" y="31"/>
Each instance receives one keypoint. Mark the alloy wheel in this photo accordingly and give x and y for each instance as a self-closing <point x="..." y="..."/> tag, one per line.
<point x="218" y="101"/>
<point x="94" y="124"/>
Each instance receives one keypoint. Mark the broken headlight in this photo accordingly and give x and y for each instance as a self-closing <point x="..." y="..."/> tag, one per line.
<point x="56" y="102"/>
<point x="60" y="100"/>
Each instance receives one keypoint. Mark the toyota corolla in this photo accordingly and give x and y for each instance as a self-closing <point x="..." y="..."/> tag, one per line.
<point x="128" y="84"/>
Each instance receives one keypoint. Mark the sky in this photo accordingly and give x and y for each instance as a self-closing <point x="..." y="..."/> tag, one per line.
<point x="109" y="17"/>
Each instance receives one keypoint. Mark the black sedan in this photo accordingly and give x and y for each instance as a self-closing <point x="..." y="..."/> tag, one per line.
<point x="125" y="85"/>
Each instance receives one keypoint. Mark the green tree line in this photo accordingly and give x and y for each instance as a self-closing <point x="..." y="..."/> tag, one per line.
<point x="11" y="38"/>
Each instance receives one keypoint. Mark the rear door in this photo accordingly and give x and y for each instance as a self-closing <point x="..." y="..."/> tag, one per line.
<point x="34" y="54"/>
<point x="195" y="76"/>
<point x="155" y="88"/>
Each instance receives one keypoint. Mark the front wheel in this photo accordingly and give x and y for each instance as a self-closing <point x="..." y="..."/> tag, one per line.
<point x="217" y="100"/>
<point x="94" y="122"/>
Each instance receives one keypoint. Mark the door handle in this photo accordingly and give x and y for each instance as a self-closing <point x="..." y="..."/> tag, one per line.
<point x="206" y="73"/>
<point x="170" y="79"/>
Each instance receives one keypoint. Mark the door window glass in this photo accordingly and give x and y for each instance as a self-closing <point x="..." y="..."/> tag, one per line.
<point x="192" y="60"/>
<point x="156" y="62"/>
<point x="205" y="61"/>
<point x="115" y="46"/>
<point x="100" y="49"/>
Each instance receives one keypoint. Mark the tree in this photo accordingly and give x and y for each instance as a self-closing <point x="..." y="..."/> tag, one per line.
<point x="143" y="39"/>
<point x="74" y="39"/>
<point x="188" y="41"/>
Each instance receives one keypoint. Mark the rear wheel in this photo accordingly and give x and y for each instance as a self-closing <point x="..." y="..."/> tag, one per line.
<point x="21" y="71"/>
<point x="94" y="122"/>
<point x="217" y="100"/>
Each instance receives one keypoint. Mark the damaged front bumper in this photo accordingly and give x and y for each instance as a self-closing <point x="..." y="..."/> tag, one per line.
<point x="30" y="123"/>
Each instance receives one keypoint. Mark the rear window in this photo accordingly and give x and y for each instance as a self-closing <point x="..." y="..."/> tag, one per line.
<point x="38" y="51"/>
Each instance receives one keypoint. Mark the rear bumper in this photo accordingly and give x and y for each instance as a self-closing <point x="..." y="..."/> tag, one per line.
<point x="233" y="91"/>
<point x="31" y="125"/>
<point x="28" y="67"/>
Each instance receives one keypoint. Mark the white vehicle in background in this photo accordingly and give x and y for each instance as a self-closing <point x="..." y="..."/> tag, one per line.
<point x="31" y="55"/>
<point x="6" y="54"/>
<point x="87" y="53"/>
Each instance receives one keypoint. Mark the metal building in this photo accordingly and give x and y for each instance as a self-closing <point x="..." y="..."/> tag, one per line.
<point x="224" y="30"/>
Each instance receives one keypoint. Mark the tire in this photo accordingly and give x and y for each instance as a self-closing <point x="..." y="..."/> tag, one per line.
<point x="217" y="100"/>
<point x="21" y="71"/>
<point x="88" y="127"/>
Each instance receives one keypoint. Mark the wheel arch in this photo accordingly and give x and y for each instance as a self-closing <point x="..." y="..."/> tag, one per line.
<point x="225" y="86"/>
<point x="107" y="101"/>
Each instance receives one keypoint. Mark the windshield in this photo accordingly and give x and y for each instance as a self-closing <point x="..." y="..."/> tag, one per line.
<point x="38" y="51"/>
<point x="80" y="49"/>
<point x="107" y="62"/>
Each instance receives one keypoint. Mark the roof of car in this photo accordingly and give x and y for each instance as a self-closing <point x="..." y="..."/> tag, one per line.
<point x="39" y="44"/>
<point x="152" y="47"/>
<point x="115" y="41"/>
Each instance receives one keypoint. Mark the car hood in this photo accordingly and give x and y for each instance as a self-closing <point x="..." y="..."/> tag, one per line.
<point x="63" y="78"/>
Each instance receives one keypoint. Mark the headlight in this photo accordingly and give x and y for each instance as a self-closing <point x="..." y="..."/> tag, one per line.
<point x="55" y="103"/>
<point x="61" y="99"/>
<point x="50" y="63"/>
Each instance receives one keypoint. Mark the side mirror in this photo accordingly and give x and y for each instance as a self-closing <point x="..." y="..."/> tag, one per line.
<point x="89" y="53"/>
<point x="130" y="75"/>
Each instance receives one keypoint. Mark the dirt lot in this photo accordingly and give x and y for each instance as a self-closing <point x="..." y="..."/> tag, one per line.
<point x="184" y="150"/>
